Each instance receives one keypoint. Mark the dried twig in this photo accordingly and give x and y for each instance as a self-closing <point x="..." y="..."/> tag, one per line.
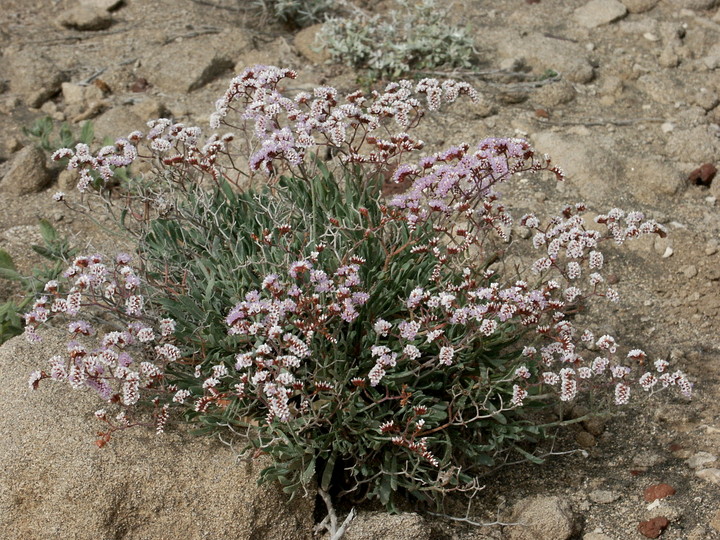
<point x="92" y="77"/>
<point x="331" y="527"/>
<point x="345" y="524"/>
<point x="604" y="122"/>
<point x="244" y="6"/>
<point x="190" y="35"/>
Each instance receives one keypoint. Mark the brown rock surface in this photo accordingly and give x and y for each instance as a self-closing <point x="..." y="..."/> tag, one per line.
<point x="57" y="484"/>
<point x="658" y="491"/>
<point x="543" y="518"/>
<point x="28" y="172"/>
<point x="654" y="527"/>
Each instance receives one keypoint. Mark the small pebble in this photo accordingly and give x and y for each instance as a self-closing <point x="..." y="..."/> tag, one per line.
<point x="585" y="439"/>
<point x="603" y="496"/>
<point x="658" y="491"/>
<point x="709" y="475"/>
<point x="689" y="271"/>
<point x="654" y="527"/>
<point x="700" y="459"/>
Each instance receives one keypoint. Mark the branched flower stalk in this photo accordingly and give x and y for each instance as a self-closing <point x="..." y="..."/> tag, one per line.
<point x="365" y="343"/>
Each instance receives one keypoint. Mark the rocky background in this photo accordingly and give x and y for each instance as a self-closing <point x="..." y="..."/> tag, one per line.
<point x="633" y="118"/>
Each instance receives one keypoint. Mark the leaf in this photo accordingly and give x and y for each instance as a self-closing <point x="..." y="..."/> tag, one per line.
<point x="47" y="231"/>
<point x="385" y="489"/>
<point x="12" y="275"/>
<point x="530" y="457"/>
<point x="6" y="261"/>
<point x="308" y="473"/>
<point x="87" y="134"/>
<point x="327" y="473"/>
<point x="43" y="251"/>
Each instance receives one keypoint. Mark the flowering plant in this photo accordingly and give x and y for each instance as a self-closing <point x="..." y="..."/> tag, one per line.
<point x="371" y="344"/>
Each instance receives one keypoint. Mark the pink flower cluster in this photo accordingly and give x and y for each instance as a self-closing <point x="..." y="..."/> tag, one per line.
<point x="101" y="165"/>
<point x="278" y="325"/>
<point x="458" y="182"/>
<point x="289" y="127"/>
<point x="113" y="363"/>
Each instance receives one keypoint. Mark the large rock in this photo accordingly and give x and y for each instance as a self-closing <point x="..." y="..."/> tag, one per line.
<point x="107" y="5"/>
<point x="696" y="145"/>
<point x="698" y="4"/>
<point x="34" y="77"/>
<point x="554" y="94"/>
<point x="639" y="6"/>
<point x="56" y="483"/>
<point x="188" y="64"/>
<point x="664" y="88"/>
<point x="652" y="180"/>
<point x="543" y="53"/>
<point x="543" y="518"/>
<point x="118" y="122"/>
<point x="376" y="525"/>
<point x="306" y="43"/>
<point x="85" y="18"/>
<point x="28" y="172"/>
<point x="599" y="12"/>
<point x="590" y="163"/>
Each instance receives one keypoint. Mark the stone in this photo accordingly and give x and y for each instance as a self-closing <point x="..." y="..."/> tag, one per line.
<point x="591" y="164"/>
<point x="664" y="509"/>
<point x="73" y="93"/>
<point x="12" y="145"/>
<point x="543" y="518"/>
<point x="68" y="180"/>
<point x="596" y="536"/>
<point x="715" y="520"/>
<point x="711" y="60"/>
<point x="654" y="527"/>
<point x="278" y="52"/>
<point x="639" y="6"/>
<point x="34" y="77"/>
<point x="658" y="491"/>
<point x="585" y="439"/>
<point x="85" y="18"/>
<point x="482" y="108"/>
<point x="709" y="475"/>
<point x="698" y="460"/>
<point x="138" y="486"/>
<point x="652" y="180"/>
<point x="603" y="496"/>
<point x="118" y="122"/>
<point x="703" y="175"/>
<point x="663" y="87"/>
<point x="404" y="526"/>
<point x="28" y="172"/>
<point x="556" y="93"/>
<point x="707" y="99"/>
<point x="689" y="271"/>
<point x="186" y="65"/>
<point x="107" y="5"/>
<point x="150" y="108"/>
<point x="698" y="4"/>
<point x="695" y="145"/>
<point x="544" y="53"/>
<point x="647" y="458"/>
<point x="306" y="43"/>
<point x="600" y="12"/>
<point x="76" y="94"/>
